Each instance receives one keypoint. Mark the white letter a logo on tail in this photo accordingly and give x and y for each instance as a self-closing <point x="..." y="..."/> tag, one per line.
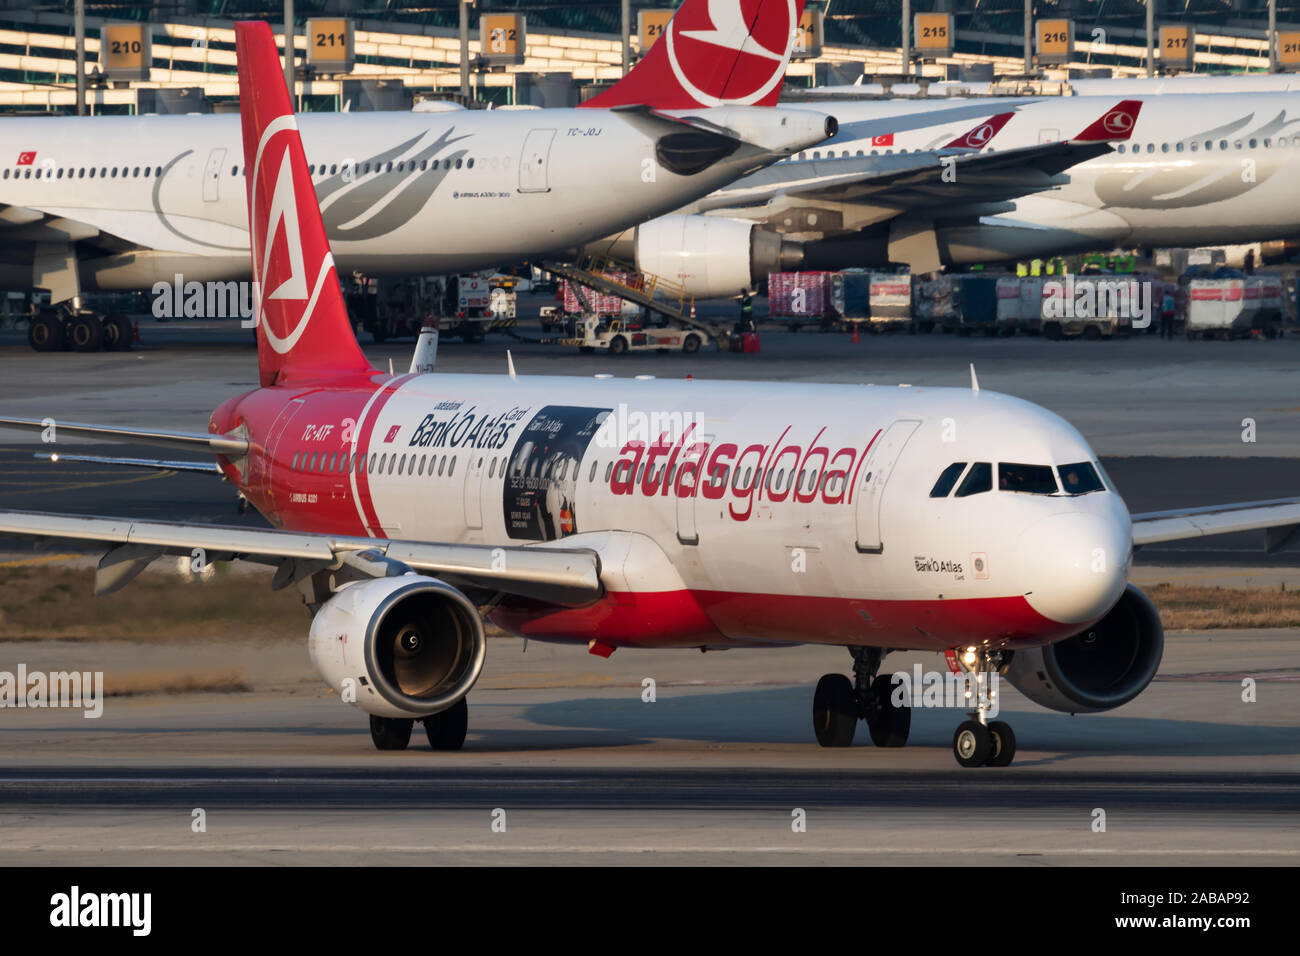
<point x="284" y="213"/>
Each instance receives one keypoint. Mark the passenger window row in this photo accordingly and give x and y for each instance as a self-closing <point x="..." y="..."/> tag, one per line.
<point x="137" y="172"/>
<point x="402" y="166"/>
<point x="1209" y="144"/>
<point x="773" y="479"/>
<point x="83" y="172"/>
<point x="1193" y="146"/>
<point x="338" y="463"/>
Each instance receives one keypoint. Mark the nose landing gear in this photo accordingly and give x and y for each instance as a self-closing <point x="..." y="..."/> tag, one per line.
<point x="839" y="704"/>
<point x="977" y="742"/>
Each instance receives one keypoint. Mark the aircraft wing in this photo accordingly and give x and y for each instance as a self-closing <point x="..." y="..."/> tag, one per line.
<point x="1279" y="519"/>
<point x="556" y="575"/>
<point x="232" y="446"/>
<point x="27" y="224"/>
<point x="202" y="467"/>
<point x="901" y="182"/>
<point x="46" y="233"/>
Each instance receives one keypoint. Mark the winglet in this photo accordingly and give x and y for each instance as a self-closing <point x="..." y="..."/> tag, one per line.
<point x="1116" y="123"/>
<point x="981" y="135"/>
<point x="974" y="382"/>
<point x="303" y="330"/>
<point x="510" y="365"/>
<point x="713" y="54"/>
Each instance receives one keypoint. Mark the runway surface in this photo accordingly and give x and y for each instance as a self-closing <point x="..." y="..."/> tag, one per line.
<point x="714" y="769"/>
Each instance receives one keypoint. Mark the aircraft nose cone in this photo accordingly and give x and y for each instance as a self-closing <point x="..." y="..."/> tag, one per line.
<point x="1073" y="567"/>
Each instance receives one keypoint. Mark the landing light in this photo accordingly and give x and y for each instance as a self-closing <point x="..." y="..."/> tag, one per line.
<point x="969" y="656"/>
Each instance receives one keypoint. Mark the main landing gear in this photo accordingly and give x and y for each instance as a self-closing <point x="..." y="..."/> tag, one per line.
<point x="838" y="704"/>
<point x="56" y="329"/>
<point x="445" y="730"/>
<point x="979" y="742"/>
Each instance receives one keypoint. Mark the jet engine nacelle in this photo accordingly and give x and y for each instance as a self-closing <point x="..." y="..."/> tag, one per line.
<point x="405" y="646"/>
<point x="712" y="257"/>
<point x="1098" y="669"/>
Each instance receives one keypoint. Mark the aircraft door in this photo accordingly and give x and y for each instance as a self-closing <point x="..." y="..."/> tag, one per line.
<point x="687" y="531"/>
<point x="212" y="174"/>
<point x="474" y="488"/>
<point x="533" y="161"/>
<point x="275" y="461"/>
<point x="875" y="474"/>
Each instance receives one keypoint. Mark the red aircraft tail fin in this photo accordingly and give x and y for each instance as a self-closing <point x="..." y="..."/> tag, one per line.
<point x="713" y="53"/>
<point x="982" y="134"/>
<point x="303" y="330"/>
<point x="1116" y="123"/>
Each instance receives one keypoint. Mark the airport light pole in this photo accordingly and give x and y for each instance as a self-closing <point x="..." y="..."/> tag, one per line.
<point x="907" y="38"/>
<point x="1151" y="37"/>
<point x="464" y="49"/>
<point x="1272" y="36"/>
<point x="79" y="31"/>
<point x="1029" y="29"/>
<point x="626" y="16"/>
<point x="288" y="47"/>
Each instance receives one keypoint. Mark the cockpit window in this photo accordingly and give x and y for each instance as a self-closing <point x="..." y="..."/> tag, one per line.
<point x="978" y="479"/>
<point x="1026" y="479"/>
<point x="947" y="479"/>
<point x="1080" y="478"/>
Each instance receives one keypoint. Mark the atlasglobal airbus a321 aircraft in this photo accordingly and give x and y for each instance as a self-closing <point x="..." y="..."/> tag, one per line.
<point x="408" y="507"/>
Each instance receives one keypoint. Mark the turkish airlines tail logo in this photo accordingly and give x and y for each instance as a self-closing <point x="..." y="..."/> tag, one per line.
<point x="303" y="330"/>
<point x="982" y="134"/>
<point x="1115" y="124"/>
<point x="713" y="53"/>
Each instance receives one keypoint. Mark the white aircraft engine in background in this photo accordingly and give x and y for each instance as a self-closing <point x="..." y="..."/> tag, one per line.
<point x="710" y="256"/>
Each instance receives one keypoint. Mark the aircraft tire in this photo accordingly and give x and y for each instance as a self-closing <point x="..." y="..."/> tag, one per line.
<point x="390" y="733"/>
<point x="1002" y="741"/>
<point x="835" y="711"/>
<point x="889" y="724"/>
<point x="446" y="730"/>
<point x="85" y="333"/>
<point x="117" y="333"/>
<point x="971" y="744"/>
<point x="45" y="334"/>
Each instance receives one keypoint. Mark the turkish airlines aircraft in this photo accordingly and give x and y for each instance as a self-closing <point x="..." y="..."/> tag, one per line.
<point x="762" y="222"/>
<point x="127" y="202"/>
<point x="616" y="513"/>
<point x="1164" y="170"/>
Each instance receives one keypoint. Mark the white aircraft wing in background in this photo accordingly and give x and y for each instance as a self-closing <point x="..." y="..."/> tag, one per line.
<point x="1279" y="519"/>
